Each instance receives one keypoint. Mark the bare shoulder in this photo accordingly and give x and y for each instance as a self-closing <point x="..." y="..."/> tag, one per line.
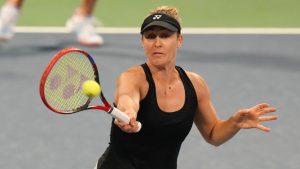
<point x="199" y="84"/>
<point x="133" y="79"/>
<point x="196" y="78"/>
<point x="133" y="75"/>
<point x="135" y="72"/>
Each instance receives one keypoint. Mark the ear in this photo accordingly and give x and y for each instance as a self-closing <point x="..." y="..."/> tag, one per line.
<point x="179" y="41"/>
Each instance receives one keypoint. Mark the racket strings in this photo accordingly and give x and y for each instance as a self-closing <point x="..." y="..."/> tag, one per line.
<point x="63" y="85"/>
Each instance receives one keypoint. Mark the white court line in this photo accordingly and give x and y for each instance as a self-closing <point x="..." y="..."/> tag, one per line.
<point x="132" y="30"/>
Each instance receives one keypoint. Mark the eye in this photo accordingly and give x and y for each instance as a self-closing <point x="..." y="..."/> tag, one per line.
<point x="150" y="36"/>
<point x="164" y="35"/>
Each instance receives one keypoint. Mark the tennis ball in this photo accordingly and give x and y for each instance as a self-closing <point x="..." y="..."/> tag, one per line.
<point x="91" y="88"/>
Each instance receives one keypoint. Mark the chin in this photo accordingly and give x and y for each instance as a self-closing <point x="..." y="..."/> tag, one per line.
<point x="159" y="63"/>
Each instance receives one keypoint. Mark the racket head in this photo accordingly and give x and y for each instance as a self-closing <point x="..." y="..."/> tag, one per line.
<point x="62" y="79"/>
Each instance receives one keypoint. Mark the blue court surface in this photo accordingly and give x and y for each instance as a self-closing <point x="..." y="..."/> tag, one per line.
<point x="241" y="71"/>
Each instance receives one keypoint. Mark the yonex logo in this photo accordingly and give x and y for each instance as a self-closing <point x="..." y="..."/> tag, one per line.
<point x="156" y="17"/>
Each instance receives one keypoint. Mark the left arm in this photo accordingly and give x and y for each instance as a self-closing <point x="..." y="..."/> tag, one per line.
<point x="216" y="131"/>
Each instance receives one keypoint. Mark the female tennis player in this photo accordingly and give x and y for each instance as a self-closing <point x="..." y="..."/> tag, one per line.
<point x="167" y="100"/>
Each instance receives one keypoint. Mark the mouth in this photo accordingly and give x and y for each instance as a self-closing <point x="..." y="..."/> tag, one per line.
<point x="158" y="53"/>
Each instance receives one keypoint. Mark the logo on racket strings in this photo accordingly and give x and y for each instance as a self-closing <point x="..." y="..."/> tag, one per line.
<point x="69" y="86"/>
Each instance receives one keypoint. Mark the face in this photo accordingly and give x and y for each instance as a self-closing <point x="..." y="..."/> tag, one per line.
<point x="160" y="45"/>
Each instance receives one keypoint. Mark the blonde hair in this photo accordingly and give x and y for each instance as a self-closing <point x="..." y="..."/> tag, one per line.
<point x="171" y="11"/>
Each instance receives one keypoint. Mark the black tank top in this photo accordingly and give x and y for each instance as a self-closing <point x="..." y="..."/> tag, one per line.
<point x="158" y="143"/>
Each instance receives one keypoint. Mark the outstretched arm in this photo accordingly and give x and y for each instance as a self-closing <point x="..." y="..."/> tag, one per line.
<point x="216" y="131"/>
<point x="127" y="97"/>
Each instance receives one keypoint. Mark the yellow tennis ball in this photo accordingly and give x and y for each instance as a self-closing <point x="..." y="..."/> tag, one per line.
<point x="91" y="88"/>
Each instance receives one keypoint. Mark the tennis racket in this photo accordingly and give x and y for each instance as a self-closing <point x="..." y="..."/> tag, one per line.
<point x="61" y="85"/>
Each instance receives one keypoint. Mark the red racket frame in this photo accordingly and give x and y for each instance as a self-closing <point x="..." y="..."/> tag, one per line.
<point x="107" y="107"/>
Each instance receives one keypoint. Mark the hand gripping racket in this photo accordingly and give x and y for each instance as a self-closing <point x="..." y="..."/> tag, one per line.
<point x="61" y="84"/>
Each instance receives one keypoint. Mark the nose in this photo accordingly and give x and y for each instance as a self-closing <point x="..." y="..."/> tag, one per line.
<point x="157" y="42"/>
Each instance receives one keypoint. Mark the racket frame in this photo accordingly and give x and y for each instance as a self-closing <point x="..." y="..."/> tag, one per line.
<point x="107" y="107"/>
<point x="113" y="111"/>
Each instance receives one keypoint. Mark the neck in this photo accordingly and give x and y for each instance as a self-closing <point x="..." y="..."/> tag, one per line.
<point x="166" y="73"/>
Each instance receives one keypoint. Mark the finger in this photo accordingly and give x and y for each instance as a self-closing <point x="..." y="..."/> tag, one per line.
<point x="124" y="127"/>
<point x="128" y="129"/>
<point x="132" y="127"/>
<point x="119" y="123"/>
<point x="263" y="128"/>
<point x="267" y="110"/>
<point x="132" y="122"/>
<point x="116" y="122"/>
<point x="267" y="118"/>
<point x="135" y="125"/>
<point x="260" y="106"/>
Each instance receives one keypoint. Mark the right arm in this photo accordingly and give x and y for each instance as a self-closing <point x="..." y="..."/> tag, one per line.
<point x="127" y="97"/>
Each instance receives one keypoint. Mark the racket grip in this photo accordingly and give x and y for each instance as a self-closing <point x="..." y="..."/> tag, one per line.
<point x="119" y="115"/>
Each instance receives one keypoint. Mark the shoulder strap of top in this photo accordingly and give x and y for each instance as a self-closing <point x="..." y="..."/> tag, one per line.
<point x="185" y="76"/>
<point x="148" y="74"/>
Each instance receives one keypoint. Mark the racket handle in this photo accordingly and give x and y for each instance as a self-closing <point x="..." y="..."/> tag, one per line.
<point x="119" y="115"/>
